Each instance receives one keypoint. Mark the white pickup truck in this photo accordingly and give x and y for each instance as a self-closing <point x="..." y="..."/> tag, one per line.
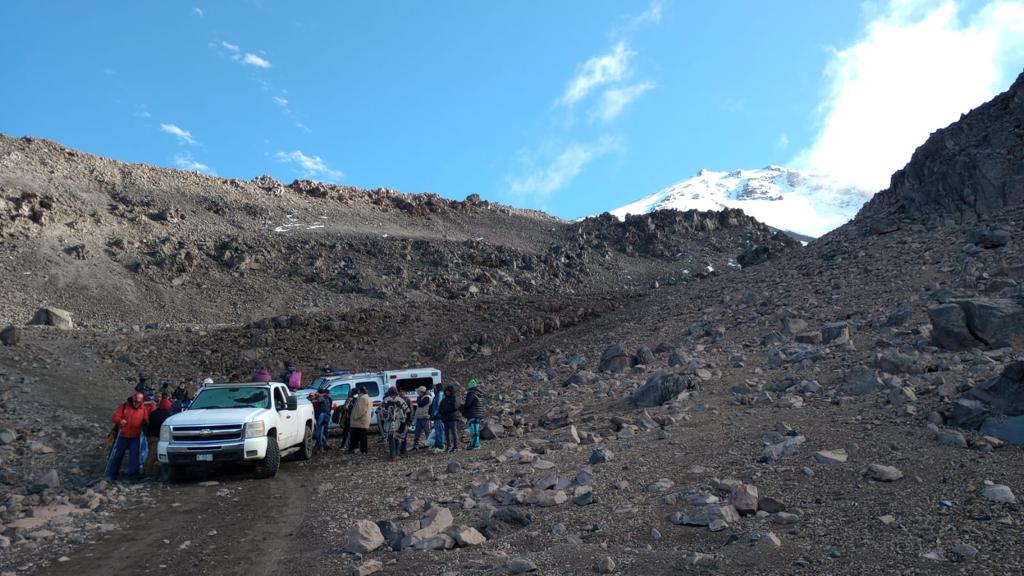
<point x="255" y="422"/>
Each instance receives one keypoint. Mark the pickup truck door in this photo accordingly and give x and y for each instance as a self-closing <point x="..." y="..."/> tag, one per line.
<point x="286" y="435"/>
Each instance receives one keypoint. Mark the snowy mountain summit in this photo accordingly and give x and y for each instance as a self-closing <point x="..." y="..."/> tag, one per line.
<point x="780" y="197"/>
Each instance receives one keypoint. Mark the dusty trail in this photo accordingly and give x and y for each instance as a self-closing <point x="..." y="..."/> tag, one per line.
<point x="237" y="526"/>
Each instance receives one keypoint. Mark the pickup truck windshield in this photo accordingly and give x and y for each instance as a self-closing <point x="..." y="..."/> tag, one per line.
<point x="242" y="397"/>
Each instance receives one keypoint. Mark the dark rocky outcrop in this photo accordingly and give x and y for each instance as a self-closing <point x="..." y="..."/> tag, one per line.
<point x="969" y="171"/>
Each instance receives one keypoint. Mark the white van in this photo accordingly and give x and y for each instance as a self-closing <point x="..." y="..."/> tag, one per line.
<point x="376" y="384"/>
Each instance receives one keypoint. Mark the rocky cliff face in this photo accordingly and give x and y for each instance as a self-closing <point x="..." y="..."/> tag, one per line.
<point x="966" y="172"/>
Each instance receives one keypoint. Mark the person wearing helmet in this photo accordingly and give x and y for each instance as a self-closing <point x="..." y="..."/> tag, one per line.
<point x="473" y="410"/>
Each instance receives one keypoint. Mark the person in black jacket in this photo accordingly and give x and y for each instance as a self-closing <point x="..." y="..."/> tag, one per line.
<point x="156" y="420"/>
<point x="473" y="410"/>
<point x="449" y="413"/>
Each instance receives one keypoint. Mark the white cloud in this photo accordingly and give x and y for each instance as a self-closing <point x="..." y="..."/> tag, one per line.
<point x="280" y="101"/>
<point x="142" y="111"/>
<point x="311" y="166"/>
<point x="782" y="142"/>
<point x="229" y="46"/>
<point x="198" y="12"/>
<point x="596" y="72"/>
<point x="652" y="14"/>
<point x="183" y="135"/>
<point x="615" y="100"/>
<point x="186" y="162"/>
<point x="919" y="65"/>
<point x="542" y="181"/>
<point x="254" y="60"/>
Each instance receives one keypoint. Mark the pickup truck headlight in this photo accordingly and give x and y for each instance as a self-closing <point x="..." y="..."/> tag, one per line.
<point x="255" y="429"/>
<point x="165" y="433"/>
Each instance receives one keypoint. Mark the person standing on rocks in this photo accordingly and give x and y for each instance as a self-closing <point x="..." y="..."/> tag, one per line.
<point x="156" y="420"/>
<point x="360" y="420"/>
<point x="394" y="411"/>
<point x="131" y="418"/>
<point x="421" y="416"/>
<point x="473" y="410"/>
<point x="450" y="417"/>
<point x="435" y="416"/>
<point x="322" y="405"/>
<point x="345" y="421"/>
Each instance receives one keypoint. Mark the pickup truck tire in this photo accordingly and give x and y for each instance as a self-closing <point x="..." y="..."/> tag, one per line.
<point x="306" y="448"/>
<point x="267" y="468"/>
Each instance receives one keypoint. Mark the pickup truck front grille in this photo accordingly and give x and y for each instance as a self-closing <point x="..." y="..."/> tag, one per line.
<point x="218" y="433"/>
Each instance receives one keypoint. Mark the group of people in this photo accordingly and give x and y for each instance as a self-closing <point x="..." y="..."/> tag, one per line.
<point x="137" y="423"/>
<point x="434" y="419"/>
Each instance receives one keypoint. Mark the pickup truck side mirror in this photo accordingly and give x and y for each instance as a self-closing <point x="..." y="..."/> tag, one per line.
<point x="293" y="403"/>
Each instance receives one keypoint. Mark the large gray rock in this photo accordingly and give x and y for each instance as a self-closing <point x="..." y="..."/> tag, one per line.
<point x="968" y="413"/>
<point x="615" y="359"/>
<point x="989" y="238"/>
<point x="47" y="316"/>
<point x="860" y="381"/>
<point x="660" y="388"/>
<point x="835" y="333"/>
<point x="1008" y="430"/>
<point x="977" y="323"/>
<point x="1005" y="392"/>
<point x="364" y="536"/>
<point x="10" y="336"/>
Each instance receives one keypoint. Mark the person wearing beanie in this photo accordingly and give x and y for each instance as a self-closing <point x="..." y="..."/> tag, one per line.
<point x="473" y="410"/>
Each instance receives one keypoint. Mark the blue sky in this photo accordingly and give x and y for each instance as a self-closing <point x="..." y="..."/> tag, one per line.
<point x="574" y="106"/>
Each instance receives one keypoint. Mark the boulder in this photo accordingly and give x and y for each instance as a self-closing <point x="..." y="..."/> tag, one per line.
<point x="363" y="537"/>
<point x="968" y="413"/>
<point x="835" y="333"/>
<point x="744" y="498"/>
<point x="466" y="536"/>
<point x="837" y="456"/>
<point x="788" y="447"/>
<point x="600" y="456"/>
<point x="989" y="238"/>
<point x="753" y="256"/>
<point x="1008" y="430"/>
<point x="1005" y="392"/>
<point x="47" y="316"/>
<point x="7" y="435"/>
<point x="491" y="429"/>
<point x="644" y="356"/>
<point x="999" y="493"/>
<point x="977" y="323"/>
<point x="658" y="389"/>
<point x="615" y="359"/>
<point x="883" y="473"/>
<point x="860" y="381"/>
<point x="10" y="336"/>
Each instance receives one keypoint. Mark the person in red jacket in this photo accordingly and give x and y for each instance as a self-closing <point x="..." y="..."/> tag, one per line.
<point x="131" y="418"/>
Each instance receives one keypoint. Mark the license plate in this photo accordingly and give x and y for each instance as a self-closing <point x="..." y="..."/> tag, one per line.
<point x="204" y="457"/>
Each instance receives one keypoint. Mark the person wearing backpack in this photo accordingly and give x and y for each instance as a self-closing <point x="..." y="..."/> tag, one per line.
<point x="394" y="411"/>
<point x="473" y="410"/>
<point x="131" y="418"/>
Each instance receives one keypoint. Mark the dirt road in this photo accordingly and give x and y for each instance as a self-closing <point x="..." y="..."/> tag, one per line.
<point x="228" y="525"/>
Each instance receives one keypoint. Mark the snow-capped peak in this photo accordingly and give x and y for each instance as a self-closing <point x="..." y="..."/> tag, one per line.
<point x="780" y="197"/>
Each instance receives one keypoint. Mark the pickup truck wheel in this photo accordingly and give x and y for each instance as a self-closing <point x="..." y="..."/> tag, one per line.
<point x="306" y="449"/>
<point x="267" y="468"/>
